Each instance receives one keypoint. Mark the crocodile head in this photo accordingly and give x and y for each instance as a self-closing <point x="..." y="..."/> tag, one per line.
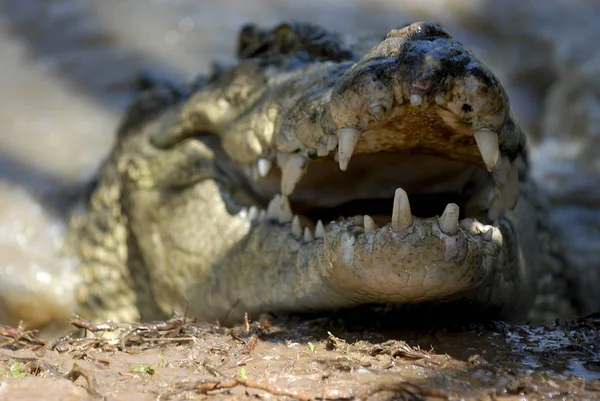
<point x="390" y="177"/>
<point x="418" y="112"/>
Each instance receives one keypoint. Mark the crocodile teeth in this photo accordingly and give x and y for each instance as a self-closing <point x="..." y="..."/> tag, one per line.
<point x="448" y="221"/>
<point x="332" y="142"/>
<point x="274" y="207"/>
<point x="253" y="212"/>
<point x="378" y="112"/>
<point x="285" y="214"/>
<point x="401" y="215"/>
<point x="487" y="142"/>
<point x="296" y="227"/>
<point x="347" y="143"/>
<point x="319" y="230"/>
<point x="502" y="171"/>
<point x="307" y="235"/>
<point x="322" y="150"/>
<point x="506" y="178"/>
<point x="251" y="171"/>
<point x="264" y="166"/>
<point x="282" y="159"/>
<point x="439" y="99"/>
<point x="497" y="206"/>
<point x="369" y="223"/>
<point x="488" y="235"/>
<point x="292" y="171"/>
<point x="415" y="100"/>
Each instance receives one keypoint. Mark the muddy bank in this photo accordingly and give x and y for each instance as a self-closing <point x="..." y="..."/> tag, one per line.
<point x="311" y="359"/>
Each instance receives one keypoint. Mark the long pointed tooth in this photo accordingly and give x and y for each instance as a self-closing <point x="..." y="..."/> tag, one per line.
<point x="319" y="230"/>
<point x="264" y="166"/>
<point x="307" y="235"/>
<point x="252" y="212"/>
<point x="415" y="100"/>
<point x="506" y="178"/>
<point x="296" y="227"/>
<point x="488" y="235"/>
<point x="282" y="159"/>
<point x="262" y="214"/>
<point x="251" y="171"/>
<point x="274" y="207"/>
<point x="292" y="172"/>
<point x="448" y="221"/>
<point x="369" y="223"/>
<point x="332" y="142"/>
<point x="347" y="143"/>
<point x="285" y="211"/>
<point x="497" y="206"/>
<point x="401" y="215"/>
<point x="487" y="142"/>
<point x="322" y="148"/>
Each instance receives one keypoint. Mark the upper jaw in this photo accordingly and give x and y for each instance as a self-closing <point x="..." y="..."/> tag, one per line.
<point x="424" y="93"/>
<point x="418" y="92"/>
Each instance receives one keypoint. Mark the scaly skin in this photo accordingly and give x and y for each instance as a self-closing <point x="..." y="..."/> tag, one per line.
<point x="176" y="212"/>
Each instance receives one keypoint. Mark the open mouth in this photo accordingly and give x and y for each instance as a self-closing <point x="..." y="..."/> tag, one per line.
<point x="387" y="176"/>
<point x="397" y="222"/>
<point x="416" y="128"/>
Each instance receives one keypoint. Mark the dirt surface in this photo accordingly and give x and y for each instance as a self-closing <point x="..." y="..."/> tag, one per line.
<point x="322" y="358"/>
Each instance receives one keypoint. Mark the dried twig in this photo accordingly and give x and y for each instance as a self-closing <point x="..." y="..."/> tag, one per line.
<point x="74" y="374"/>
<point x="207" y="386"/>
<point x="168" y="339"/>
<point x="212" y="370"/>
<point x="251" y="344"/>
<point x="81" y="323"/>
<point x="170" y="330"/>
<point x="250" y="332"/>
<point x="20" y="336"/>
<point x="400" y="349"/>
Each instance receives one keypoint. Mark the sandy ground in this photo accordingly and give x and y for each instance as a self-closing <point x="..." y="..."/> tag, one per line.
<point x="66" y="73"/>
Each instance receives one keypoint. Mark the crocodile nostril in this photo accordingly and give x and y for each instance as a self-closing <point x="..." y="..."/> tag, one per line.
<point x="418" y="30"/>
<point x="466" y="108"/>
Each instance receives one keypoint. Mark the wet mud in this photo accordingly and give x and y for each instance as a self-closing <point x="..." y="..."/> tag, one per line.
<point x="293" y="358"/>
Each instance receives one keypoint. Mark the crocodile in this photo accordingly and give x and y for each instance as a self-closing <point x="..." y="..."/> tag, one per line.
<point x="318" y="172"/>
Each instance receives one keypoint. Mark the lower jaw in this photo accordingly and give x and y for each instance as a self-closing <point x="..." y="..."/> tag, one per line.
<point x="351" y="261"/>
